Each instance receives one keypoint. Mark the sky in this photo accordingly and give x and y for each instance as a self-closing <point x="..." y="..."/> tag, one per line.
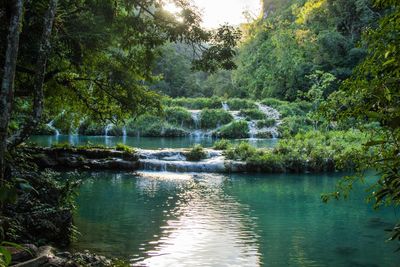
<point x="217" y="12"/>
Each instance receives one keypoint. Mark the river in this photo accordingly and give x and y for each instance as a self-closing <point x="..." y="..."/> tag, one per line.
<point x="171" y="219"/>
<point x="205" y="219"/>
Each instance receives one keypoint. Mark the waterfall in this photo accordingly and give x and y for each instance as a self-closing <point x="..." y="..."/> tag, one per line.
<point x="51" y="126"/>
<point x="107" y="129"/>
<point x="124" y="135"/>
<point x="174" y="160"/>
<point x="273" y="114"/>
<point x="252" y="129"/>
<point x="225" y="106"/>
<point x="197" y="133"/>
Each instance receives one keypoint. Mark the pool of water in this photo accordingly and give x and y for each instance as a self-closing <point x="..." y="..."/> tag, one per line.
<point x="140" y="142"/>
<point x="169" y="219"/>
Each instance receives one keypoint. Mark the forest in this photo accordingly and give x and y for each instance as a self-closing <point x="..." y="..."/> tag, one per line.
<point x="132" y="135"/>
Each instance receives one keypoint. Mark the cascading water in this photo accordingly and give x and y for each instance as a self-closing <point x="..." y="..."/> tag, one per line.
<point x="174" y="160"/>
<point x="254" y="131"/>
<point x="225" y="106"/>
<point x="107" y="129"/>
<point x="272" y="114"/>
<point x="124" y="135"/>
<point x="197" y="133"/>
<point x="51" y="126"/>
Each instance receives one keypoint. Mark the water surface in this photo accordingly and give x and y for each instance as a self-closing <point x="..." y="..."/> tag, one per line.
<point x="169" y="219"/>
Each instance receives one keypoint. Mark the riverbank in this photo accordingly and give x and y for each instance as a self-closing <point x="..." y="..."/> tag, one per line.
<point x="312" y="152"/>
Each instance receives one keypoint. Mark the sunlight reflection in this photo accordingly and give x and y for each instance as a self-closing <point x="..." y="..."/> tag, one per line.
<point x="206" y="226"/>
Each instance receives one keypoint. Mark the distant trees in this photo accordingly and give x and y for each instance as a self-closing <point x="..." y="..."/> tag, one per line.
<point x="298" y="39"/>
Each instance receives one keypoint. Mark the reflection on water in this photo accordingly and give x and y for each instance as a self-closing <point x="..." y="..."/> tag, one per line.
<point x="206" y="227"/>
<point x="168" y="219"/>
<point x="140" y="142"/>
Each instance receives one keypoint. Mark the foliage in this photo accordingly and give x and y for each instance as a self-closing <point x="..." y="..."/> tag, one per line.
<point x="194" y="103"/>
<point x="5" y="254"/>
<point x="252" y="114"/>
<point x="222" y="144"/>
<point x="239" y="103"/>
<point x="371" y="95"/>
<point x="213" y="118"/>
<point x="197" y="153"/>
<point x="266" y="123"/>
<point x="178" y="116"/>
<point x="236" y="129"/>
<point x="312" y="151"/>
<point x="294" y="124"/>
<point x="299" y="38"/>
<point x="243" y="151"/>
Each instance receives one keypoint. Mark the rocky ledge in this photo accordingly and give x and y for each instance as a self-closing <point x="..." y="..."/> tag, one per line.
<point x="78" y="158"/>
<point x="174" y="160"/>
<point x="46" y="256"/>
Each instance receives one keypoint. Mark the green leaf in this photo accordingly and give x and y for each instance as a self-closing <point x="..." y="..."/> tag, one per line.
<point x="6" y="255"/>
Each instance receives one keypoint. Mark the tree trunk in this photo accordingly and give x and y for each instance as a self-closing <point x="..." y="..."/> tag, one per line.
<point x="7" y="83"/>
<point x="40" y="73"/>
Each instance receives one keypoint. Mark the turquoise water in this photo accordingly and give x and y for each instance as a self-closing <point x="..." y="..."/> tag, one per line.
<point x="140" y="142"/>
<point x="169" y="219"/>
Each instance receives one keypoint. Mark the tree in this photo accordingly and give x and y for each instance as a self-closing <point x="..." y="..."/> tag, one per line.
<point x="372" y="94"/>
<point x="101" y="58"/>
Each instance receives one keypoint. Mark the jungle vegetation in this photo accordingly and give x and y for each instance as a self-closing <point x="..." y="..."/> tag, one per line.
<point x="330" y="67"/>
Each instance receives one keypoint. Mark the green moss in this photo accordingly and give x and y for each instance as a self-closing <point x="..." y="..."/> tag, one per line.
<point x="61" y="145"/>
<point x="197" y="153"/>
<point x="125" y="148"/>
<point x="236" y="129"/>
<point x="213" y="118"/>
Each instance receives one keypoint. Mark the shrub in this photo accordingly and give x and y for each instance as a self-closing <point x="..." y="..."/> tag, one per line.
<point x="273" y="102"/>
<point x="293" y="125"/>
<point x="222" y="144"/>
<point x="243" y="151"/>
<point x="236" y="129"/>
<point x="252" y="114"/>
<point x="197" y="153"/>
<point x="238" y="104"/>
<point x="194" y="103"/>
<point x="213" y="118"/>
<point x="178" y="116"/>
<point x="266" y="123"/>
